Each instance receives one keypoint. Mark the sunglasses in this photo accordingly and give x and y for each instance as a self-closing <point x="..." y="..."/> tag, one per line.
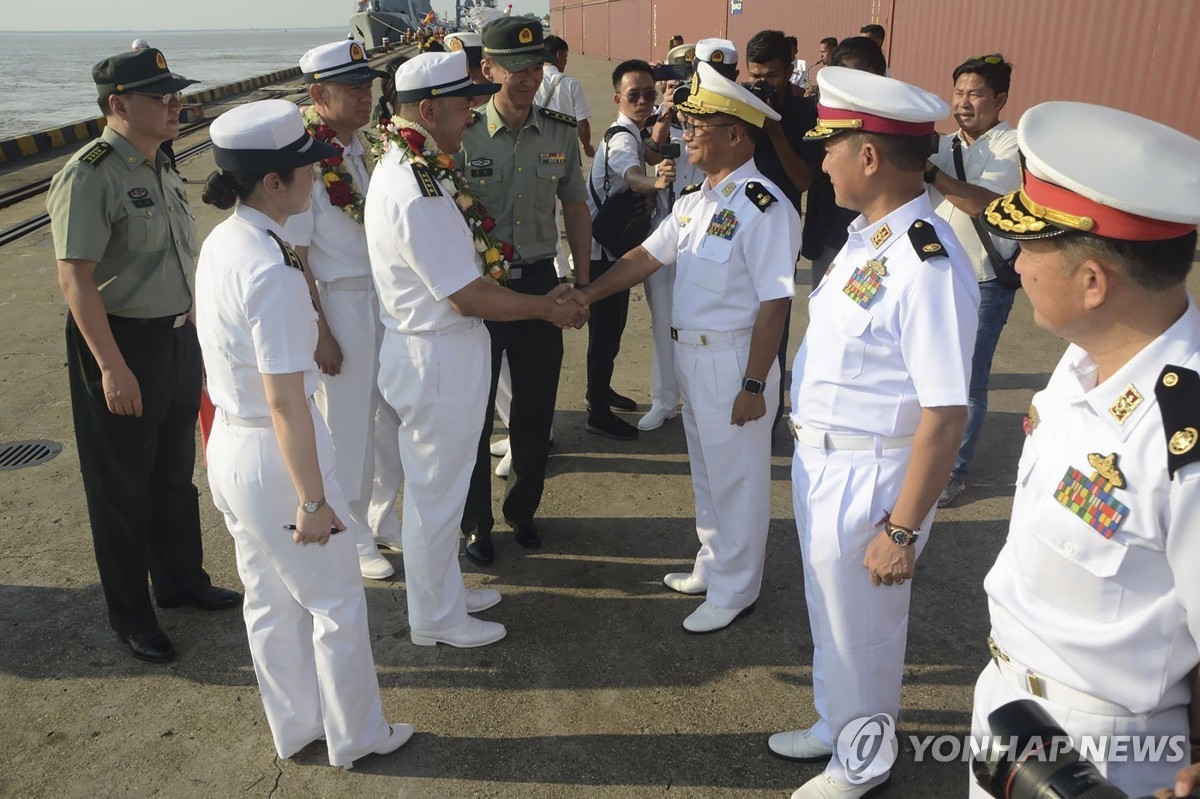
<point x="650" y="95"/>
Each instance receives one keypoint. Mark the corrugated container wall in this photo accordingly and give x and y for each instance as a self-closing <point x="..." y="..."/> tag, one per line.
<point x="1141" y="56"/>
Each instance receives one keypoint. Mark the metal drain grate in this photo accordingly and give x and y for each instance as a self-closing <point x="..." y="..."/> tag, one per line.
<point x="19" y="454"/>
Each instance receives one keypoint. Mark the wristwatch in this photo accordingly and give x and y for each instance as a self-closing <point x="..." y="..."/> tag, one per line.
<point x="901" y="536"/>
<point x="312" y="506"/>
<point x="931" y="174"/>
<point x="752" y="386"/>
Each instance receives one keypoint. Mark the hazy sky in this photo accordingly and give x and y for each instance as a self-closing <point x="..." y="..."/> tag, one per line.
<point x="150" y="15"/>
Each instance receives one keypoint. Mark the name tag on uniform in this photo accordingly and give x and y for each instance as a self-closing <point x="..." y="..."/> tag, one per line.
<point x="554" y="158"/>
<point x="481" y="173"/>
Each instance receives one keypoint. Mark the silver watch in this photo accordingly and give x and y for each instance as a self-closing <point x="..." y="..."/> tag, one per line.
<point x="312" y="506"/>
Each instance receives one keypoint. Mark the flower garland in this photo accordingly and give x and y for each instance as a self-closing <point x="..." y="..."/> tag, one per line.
<point x="418" y="145"/>
<point x="339" y="183"/>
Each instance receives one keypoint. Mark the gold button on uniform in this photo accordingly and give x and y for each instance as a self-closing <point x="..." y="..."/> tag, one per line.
<point x="1170" y="379"/>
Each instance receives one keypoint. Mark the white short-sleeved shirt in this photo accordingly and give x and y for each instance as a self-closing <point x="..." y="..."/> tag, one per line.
<point x="421" y="249"/>
<point x="993" y="163"/>
<point x="562" y="93"/>
<point x="625" y="152"/>
<point x="731" y="252"/>
<point x="870" y="367"/>
<point x="337" y="245"/>
<point x="1116" y="617"/>
<point x="254" y="315"/>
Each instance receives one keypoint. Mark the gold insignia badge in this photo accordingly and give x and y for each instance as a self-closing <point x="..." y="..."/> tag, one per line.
<point x="932" y="248"/>
<point x="1183" y="441"/>
<point x="1106" y="465"/>
<point x="880" y="236"/>
<point x="683" y="221"/>
<point x="718" y="57"/>
<point x="690" y="55"/>
<point x="160" y="61"/>
<point x="1170" y="379"/>
<point x="728" y="189"/>
<point x="1034" y="418"/>
<point x="1125" y="404"/>
<point x="877" y="267"/>
<point x="526" y="36"/>
<point x="356" y="52"/>
<point x="456" y="45"/>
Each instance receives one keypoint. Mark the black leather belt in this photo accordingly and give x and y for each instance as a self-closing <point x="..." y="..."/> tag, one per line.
<point x="175" y="320"/>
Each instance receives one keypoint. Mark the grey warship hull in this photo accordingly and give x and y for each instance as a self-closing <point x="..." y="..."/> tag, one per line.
<point x="388" y="19"/>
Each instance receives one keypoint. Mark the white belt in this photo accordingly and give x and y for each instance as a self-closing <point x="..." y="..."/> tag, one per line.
<point x="348" y="284"/>
<point x="818" y="439"/>
<point x="1050" y="690"/>
<point x="238" y="421"/>
<point x="706" y="337"/>
<point x="457" y="328"/>
<point x="179" y="320"/>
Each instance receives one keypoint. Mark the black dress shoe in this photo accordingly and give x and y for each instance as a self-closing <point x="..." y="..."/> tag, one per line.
<point x="621" y="403"/>
<point x="479" y="549"/>
<point x="208" y="598"/>
<point x="611" y="427"/>
<point x="527" y="535"/>
<point x="153" y="646"/>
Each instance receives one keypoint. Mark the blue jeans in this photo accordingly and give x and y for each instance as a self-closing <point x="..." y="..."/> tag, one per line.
<point x="994" y="304"/>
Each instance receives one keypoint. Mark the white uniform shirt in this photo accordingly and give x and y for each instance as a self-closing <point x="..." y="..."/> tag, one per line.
<point x="730" y="254"/>
<point x="993" y="163"/>
<point x="421" y="249"/>
<point x="625" y="152"/>
<point x="871" y="369"/>
<point x="1118" y="617"/>
<point x="337" y="244"/>
<point x="562" y="93"/>
<point x="254" y="315"/>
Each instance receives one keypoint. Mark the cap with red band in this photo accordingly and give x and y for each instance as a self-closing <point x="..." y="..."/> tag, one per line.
<point x="1100" y="171"/>
<point x="852" y="100"/>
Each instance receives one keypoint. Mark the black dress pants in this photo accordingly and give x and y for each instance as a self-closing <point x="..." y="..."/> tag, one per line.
<point x="137" y="471"/>
<point x="605" y="328"/>
<point x="535" y="352"/>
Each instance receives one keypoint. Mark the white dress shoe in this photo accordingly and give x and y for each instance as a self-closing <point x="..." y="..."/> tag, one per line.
<point x="823" y="786"/>
<point x="685" y="583"/>
<point x="375" y="566"/>
<point x="499" y="448"/>
<point x="655" y="417"/>
<point x="505" y="464"/>
<point x="475" y="632"/>
<point x="708" y="618"/>
<point x="799" y="745"/>
<point x="481" y="599"/>
<point x="398" y="736"/>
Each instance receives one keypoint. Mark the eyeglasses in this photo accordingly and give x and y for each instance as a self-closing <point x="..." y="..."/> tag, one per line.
<point x="165" y="99"/>
<point x="992" y="58"/>
<point x="690" y="128"/>
<point x="650" y="95"/>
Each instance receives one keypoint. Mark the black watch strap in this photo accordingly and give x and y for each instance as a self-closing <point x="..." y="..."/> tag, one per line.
<point x="931" y="174"/>
<point x="752" y="386"/>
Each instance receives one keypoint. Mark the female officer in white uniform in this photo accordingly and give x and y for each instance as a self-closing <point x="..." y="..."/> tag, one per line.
<point x="269" y="457"/>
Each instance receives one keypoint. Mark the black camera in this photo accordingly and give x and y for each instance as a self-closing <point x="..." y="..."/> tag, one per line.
<point x="671" y="150"/>
<point x="762" y="89"/>
<point x="1028" y="756"/>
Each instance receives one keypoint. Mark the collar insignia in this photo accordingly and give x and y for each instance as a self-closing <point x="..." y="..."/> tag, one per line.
<point x="880" y="236"/>
<point x="1125" y="404"/>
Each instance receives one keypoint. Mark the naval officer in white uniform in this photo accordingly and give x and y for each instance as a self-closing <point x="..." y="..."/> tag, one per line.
<point x="734" y="246"/>
<point x="330" y="240"/>
<point x="1094" y="600"/>
<point x="270" y="462"/>
<point x="436" y="359"/>
<point x="879" y="397"/>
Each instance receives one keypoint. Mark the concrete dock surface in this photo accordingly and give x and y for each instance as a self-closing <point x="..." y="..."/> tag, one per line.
<point x="596" y="692"/>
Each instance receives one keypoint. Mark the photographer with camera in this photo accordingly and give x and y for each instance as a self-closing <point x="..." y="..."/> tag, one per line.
<point x="618" y="173"/>
<point x="1094" y="602"/>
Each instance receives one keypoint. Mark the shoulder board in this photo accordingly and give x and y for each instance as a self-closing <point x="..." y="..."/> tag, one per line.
<point x="96" y="153"/>
<point x="925" y="241"/>
<point x="1178" y="394"/>
<point x="689" y="189"/>
<point x="558" y="116"/>
<point x="426" y="182"/>
<point x="759" y="195"/>
<point x="289" y="255"/>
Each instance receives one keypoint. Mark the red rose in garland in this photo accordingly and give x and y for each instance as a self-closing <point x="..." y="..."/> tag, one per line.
<point x="340" y="195"/>
<point x="413" y="139"/>
<point x="508" y="250"/>
<point x="333" y="171"/>
<point x="488" y="224"/>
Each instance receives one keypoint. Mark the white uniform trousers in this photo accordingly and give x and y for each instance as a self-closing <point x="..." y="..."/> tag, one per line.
<point x="859" y="632"/>
<point x="994" y="689"/>
<point x="664" y="389"/>
<point x="305" y="610"/>
<point x="731" y="468"/>
<point x="438" y="385"/>
<point x="359" y="421"/>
